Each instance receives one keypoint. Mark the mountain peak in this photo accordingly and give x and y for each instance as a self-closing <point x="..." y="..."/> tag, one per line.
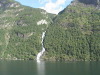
<point x="94" y="2"/>
<point x="4" y="1"/>
<point x="4" y="4"/>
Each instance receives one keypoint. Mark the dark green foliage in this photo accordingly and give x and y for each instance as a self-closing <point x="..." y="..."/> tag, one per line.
<point x="20" y="36"/>
<point x="75" y="34"/>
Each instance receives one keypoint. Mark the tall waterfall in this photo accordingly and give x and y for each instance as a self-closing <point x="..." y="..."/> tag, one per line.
<point x="43" y="49"/>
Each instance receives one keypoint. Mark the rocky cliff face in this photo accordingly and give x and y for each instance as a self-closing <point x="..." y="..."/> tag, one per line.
<point x="20" y="33"/>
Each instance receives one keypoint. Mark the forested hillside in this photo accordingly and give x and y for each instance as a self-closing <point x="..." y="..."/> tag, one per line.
<point x="21" y="28"/>
<point x="75" y="32"/>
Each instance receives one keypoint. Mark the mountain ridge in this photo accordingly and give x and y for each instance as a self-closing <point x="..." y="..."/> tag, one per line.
<point x="21" y="28"/>
<point x="72" y="35"/>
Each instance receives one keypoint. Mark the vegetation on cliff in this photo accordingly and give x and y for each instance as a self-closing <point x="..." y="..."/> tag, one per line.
<point x="75" y="33"/>
<point x="21" y="28"/>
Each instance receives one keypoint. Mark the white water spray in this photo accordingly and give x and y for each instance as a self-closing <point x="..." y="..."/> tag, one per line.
<point x="43" y="49"/>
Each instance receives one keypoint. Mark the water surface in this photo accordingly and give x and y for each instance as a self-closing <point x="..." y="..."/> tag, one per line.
<point x="49" y="68"/>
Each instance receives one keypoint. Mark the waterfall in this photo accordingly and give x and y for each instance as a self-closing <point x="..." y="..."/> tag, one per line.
<point x="43" y="49"/>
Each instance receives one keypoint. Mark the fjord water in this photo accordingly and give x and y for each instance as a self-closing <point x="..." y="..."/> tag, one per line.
<point x="49" y="68"/>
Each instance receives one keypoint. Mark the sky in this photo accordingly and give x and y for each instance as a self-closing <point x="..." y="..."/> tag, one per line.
<point x="51" y="6"/>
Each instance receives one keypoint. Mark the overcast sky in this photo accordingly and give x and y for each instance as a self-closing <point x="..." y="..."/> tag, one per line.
<point x="51" y="6"/>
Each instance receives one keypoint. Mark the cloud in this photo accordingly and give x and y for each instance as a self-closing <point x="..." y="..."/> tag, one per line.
<point x="53" y="7"/>
<point x="43" y="1"/>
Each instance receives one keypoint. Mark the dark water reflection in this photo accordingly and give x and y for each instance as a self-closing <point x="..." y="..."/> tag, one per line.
<point x="49" y="68"/>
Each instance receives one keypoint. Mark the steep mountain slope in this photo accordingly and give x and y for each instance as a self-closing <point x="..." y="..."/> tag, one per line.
<point x="75" y="32"/>
<point x="21" y="28"/>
